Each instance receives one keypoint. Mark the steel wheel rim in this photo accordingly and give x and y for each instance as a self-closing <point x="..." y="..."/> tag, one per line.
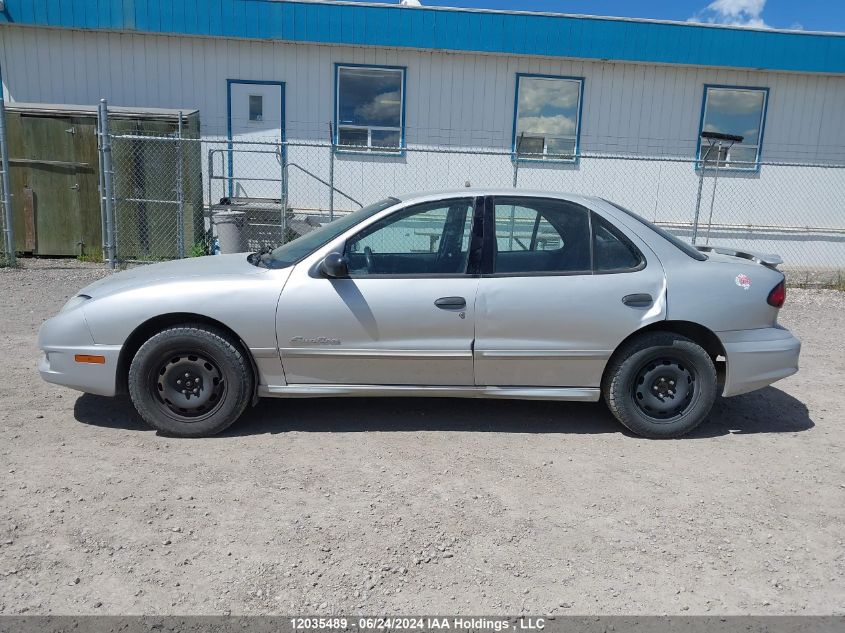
<point x="664" y="388"/>
<point x="188" y="386"/>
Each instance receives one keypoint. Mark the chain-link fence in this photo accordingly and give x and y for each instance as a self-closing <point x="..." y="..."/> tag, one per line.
<point x="178" y="197"/>
<point x="7" y="247"/>
<point x="5" y="260"/>
<point x="5" y="251"/>
<point x="173" y="196"/>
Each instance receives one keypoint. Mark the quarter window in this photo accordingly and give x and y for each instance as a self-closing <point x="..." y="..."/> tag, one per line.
<point x="369" y="111"/>
<point x="735" y="111"/>
<point x="611" y="250"/>
<point x="687" y="249"/>
<point x="431" y="238"/>
<point x="547" y="122"/>
<point x="540" y="236"/>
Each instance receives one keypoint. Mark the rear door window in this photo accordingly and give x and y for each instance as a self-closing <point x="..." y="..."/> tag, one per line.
<point x="539" y="235"/>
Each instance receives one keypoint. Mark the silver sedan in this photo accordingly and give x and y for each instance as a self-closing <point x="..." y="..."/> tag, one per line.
<point x="467" y="293"/>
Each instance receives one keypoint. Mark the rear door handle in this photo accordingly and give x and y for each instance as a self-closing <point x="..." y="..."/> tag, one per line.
<point x="642" y="300"/>
<point x="451" y="303"/>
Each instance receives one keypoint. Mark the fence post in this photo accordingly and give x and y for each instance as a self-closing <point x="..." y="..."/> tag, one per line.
<point x="701" y="168"/>
<point x="210" y="174"/>
<point x="331" y="171"/>
<point x="516" y="160"/>
<point x="713" y="197"/>
<point x="283" y="156"/>
<point x="8" y="231"/>
<point x="108" y="184"/>
<point x="180" y="196"/>
<point x="101" y="184"/>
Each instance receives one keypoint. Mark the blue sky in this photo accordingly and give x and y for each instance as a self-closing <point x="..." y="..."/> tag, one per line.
<point x="813" y="15"/>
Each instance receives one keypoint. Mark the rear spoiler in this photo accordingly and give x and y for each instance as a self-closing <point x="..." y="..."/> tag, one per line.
<point x="767" y="259"/>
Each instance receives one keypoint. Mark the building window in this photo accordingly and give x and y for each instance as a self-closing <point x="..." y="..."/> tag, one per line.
<point x="370" y="108"/>
<point x="256" y="108"/>
<point x="548" y="117"/>
<point x="737" y="111"/>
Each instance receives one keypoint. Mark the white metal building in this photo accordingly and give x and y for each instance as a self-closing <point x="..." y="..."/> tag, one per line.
<point x="643" y="94"/>
<point x="548" y="89"/>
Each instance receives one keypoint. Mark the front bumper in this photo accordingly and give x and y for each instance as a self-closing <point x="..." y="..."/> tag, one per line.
<point x="57" y="365"/>
<point x="61" y="339"/>
<point x="757" y="358"/>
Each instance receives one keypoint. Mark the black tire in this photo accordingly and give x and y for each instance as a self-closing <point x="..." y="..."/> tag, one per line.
<point x="660" y="385"/>
<point x="190" y="381"/>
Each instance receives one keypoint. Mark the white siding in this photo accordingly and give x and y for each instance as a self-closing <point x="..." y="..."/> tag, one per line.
<point x="452" y="98"/>
<point x="467" y="101"/>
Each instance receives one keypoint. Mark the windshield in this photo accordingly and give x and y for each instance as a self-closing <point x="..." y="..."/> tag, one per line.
<point x="290" y="253"/>
<point x="688" y="249"/>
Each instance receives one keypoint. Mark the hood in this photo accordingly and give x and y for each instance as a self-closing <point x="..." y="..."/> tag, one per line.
<point x="209" y="266"/>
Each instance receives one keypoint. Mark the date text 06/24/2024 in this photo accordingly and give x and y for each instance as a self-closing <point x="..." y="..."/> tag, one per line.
<point x="418" y="623"/>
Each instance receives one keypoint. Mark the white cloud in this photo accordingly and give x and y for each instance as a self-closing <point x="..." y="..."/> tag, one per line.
<point x="733" y="12"/>
<point x="735" y="101"/>
<point x="750" y="135"/>
<point x="383" y="107"/>
<point x="738" y="8"/>
<point x="536" y="94"/>
<point x="558" y="125"/>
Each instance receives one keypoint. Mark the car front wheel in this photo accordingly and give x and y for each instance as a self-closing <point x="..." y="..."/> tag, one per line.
<point x="660" y="385"/>
<point x="190" y="381"/>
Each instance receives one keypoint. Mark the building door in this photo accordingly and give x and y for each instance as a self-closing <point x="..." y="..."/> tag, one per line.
<point x="256" y="129"/>
<point x="54" y="179"/>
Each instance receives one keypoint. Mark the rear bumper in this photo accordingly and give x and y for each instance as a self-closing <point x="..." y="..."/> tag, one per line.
<point x="757" y="358"/>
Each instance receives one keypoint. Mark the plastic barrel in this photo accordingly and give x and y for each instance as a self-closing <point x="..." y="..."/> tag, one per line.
<point x="229" y="226"/>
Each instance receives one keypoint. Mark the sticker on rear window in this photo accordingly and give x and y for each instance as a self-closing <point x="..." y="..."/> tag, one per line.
<point x="743" y="281"/>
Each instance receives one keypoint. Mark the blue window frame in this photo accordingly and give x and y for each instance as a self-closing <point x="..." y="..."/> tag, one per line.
<point x="735" y="110"/>
<point x="547" y="117"/>
<point x="369" y="108"/>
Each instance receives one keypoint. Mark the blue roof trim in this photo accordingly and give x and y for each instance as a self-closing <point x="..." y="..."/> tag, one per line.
<point x="448" y="29"/>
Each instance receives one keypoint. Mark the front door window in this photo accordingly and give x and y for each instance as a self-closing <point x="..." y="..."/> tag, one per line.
<point x="429" y="239"/>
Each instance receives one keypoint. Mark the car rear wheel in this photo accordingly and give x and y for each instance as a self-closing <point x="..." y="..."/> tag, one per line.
<point x="660" y="385"/>
<point x="190" y="381"/>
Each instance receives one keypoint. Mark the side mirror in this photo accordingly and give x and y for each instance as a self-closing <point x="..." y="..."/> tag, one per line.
<point x="334" y="266"/>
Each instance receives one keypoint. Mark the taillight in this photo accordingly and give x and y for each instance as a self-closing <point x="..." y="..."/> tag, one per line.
<point x="778" y="295"/>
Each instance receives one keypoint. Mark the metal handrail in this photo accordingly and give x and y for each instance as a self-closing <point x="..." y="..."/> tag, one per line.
<point x="285" y="165"/>
<point x="325" y="182"/>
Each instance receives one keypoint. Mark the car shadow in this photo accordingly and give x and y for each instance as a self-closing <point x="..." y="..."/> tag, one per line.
<point x="767" y="411"/>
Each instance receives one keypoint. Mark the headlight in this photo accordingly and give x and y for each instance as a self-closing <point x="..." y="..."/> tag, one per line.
<point x="75" y="302"/>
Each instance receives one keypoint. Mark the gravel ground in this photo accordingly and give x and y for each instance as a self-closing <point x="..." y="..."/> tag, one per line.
<point x="425" y="506"/>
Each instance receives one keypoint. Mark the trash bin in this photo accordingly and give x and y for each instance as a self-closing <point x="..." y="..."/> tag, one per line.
<point x="230" y="231"/>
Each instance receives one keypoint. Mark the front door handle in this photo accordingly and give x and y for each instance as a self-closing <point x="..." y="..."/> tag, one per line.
<point x="642" y="300"/>
<point x="451" y="303"/>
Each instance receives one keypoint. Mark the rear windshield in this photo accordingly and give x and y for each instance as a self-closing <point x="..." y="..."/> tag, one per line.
<point x="675" y="241"/>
